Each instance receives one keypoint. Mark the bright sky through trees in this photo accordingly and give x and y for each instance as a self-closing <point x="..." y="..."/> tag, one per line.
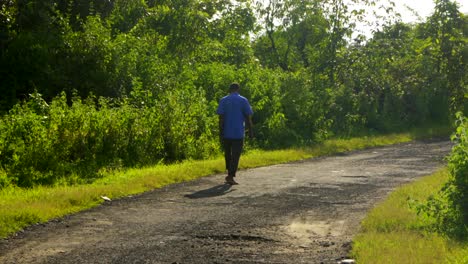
<point x="423" y="7"/>
<point x="411" y="12"/>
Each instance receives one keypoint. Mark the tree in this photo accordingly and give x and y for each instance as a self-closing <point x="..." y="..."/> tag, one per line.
<point x="447" y="31"/>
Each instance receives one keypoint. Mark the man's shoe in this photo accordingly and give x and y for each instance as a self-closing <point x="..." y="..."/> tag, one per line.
<point x="230" y="180"/>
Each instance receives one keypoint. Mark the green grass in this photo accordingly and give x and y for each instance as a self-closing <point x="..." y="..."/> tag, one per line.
<point x="394" y="233"/>
<point x="22" y="207"/>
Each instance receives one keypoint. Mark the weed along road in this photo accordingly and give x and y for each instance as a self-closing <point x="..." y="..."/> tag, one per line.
<point x="302" y="212"/>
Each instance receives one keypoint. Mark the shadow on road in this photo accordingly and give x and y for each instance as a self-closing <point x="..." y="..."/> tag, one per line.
<point x="218" y="190"/>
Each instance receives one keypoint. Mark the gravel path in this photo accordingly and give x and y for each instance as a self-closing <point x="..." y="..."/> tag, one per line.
<point x="301" y="212"/>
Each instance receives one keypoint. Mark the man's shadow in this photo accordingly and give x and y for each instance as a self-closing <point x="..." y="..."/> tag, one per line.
<point x="218" y="190"/>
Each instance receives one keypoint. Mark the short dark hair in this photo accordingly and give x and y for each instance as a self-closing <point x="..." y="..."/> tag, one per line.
<point x="234" y="87"/>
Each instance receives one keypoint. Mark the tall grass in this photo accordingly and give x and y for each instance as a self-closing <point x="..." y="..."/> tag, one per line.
<point x="394" y="233"/>
<point x="20" y="207"/>
<point x="42" y="144"/>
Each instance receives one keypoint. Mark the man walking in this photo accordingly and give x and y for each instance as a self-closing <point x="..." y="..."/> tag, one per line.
<point x="233" y="111"/>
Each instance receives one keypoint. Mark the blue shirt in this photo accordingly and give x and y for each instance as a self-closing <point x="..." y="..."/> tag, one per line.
<point x="235" y="109"/>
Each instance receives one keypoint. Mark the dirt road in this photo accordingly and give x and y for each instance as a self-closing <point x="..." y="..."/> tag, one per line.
<point x="302" y="212"/>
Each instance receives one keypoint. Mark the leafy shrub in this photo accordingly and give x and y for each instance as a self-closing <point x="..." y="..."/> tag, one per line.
<point x="458" y="185"/>
<point x="46" y="144"/>
<point x="450" y="206"/>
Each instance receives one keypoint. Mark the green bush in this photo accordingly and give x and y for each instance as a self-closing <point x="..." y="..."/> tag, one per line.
<point x="49" y="144"/>
<point x="458" y="185"/>
<point x="450" y="206"/>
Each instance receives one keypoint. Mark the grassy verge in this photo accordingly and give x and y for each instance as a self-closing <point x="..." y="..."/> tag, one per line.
<point x="22" y="207"/>
<point x="394" y="233"/>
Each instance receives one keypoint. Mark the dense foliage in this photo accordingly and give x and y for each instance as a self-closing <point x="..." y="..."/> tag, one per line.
<point x="458" y="185"/>
<point x="450" y="206"/>
<point x="88" y="85"/>
<point x="44" y="144"/>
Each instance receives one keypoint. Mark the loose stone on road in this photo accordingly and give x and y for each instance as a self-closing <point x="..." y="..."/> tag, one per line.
<point x="301" y="212"/>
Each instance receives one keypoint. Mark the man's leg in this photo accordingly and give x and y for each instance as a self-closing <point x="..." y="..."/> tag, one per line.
<point x="236" y="148"/>
<point x="227" y="145"/>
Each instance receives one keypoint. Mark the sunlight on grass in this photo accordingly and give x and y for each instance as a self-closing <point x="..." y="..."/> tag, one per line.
<point x="408" y="247"/>
<point x="394" y="233"/>
<point x="22" y="207"/>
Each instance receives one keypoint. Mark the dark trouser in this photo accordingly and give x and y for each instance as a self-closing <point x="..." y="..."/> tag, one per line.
<point x="232" y="152"/>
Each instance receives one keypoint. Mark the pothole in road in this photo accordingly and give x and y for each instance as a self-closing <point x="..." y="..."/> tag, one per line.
<point x="231" y="237"/>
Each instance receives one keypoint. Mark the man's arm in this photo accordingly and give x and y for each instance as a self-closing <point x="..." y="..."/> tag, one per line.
<point x="247" y="110"/>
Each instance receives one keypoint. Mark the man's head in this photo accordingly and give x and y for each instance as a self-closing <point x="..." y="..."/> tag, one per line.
<point x="234" y="87"/>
